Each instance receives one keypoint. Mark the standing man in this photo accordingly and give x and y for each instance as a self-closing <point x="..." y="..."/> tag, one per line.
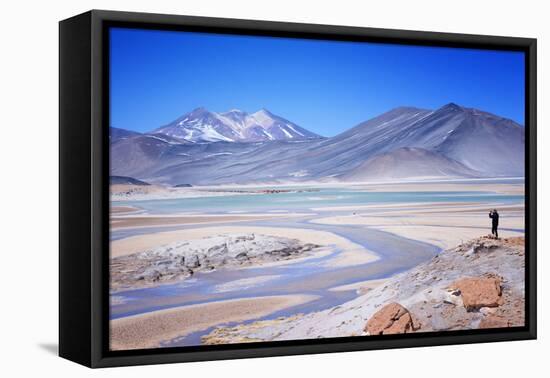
<point x="494" y="216"/>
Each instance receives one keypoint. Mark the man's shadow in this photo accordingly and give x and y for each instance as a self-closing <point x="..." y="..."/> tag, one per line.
<point x="51" y="348"/>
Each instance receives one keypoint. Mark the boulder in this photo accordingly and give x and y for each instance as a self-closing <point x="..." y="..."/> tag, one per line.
<point x="242" y="256"/>
<point x="478" y="292"/>
<point x="391" y="319"/>
<point x="195" y="263"/>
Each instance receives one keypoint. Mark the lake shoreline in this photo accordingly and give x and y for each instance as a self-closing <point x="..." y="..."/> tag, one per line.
<point x="442" y="224"/>
<point x="150" y="329"/>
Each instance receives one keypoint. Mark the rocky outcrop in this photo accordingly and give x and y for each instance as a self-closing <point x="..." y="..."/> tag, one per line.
<point x="181" y="260"/>
<point x="478" y="292"/>
<point x="391" y="319"/>
<point x="453" y="291"/>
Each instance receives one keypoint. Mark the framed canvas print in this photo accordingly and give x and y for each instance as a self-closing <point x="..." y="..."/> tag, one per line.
<point x="234" y="188"/>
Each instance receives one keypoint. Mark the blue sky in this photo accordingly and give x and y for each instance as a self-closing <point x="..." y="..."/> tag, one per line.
<point x="324" y="86"/>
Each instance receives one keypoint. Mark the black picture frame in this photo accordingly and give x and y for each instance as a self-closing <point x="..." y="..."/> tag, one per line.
<point x="84" y="187"/>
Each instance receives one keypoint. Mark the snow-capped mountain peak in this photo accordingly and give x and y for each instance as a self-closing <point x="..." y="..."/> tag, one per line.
<point x="202" y="125"/>
<point x="264" y="118"/>
<point x="236" y="112"/>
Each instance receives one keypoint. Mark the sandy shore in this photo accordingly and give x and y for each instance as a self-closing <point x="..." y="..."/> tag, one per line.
<point x="129" y="192"/>
<point x="442" y="186"/>
<point x="149" y="330"/>
<point x="392" y="186"/>
<point x="361" y="287"/>
<point x="352" y="254"/>
<point x="444" y="226"/>
<point x="123" y="210"/>
<point x="145" y="220"/>
<point x="245" y="283"/>
<point x="427" y="207"/>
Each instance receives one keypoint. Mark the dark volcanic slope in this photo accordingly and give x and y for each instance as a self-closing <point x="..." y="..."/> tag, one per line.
<point x="114" y="180"/>
<point x="116" y="134"/>
<point x="449" y="142"/>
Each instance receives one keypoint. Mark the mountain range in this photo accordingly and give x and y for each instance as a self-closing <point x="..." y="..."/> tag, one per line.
<point x="202" y="148"/>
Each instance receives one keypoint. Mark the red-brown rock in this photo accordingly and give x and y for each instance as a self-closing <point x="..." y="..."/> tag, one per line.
<point x="479" y="292"/>
<point x="494" y="321"/>
<point x="391" y="319"/>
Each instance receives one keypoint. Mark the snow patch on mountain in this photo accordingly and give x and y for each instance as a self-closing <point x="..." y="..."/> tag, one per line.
<point x="202" y="125"/>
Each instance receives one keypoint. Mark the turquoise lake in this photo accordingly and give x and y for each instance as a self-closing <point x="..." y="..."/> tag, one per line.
<point x="310" y="199"/>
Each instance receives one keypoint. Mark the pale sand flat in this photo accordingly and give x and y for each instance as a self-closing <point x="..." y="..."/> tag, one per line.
<point x="351" y="254"/>
<point x="121" y="188"/>
<point x="129" y="192"/>
<point x="150" y="220"/>
<point x="418" y="185"/>
<point x="445" y="229"/>
<point x="507" y="220"/>
<point x="123" y="210"/>
<point x="150" y="329"/>
<point x="245" y="283"/>
<point x="426" y="207"/>
<point x="196" y="214"/>
<point x="405" y="205"/>
<point x="443" y="237"/>
<point x="360" y="286"/>
<point x="479" y="186"/>
<point x="512" y="210"/>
